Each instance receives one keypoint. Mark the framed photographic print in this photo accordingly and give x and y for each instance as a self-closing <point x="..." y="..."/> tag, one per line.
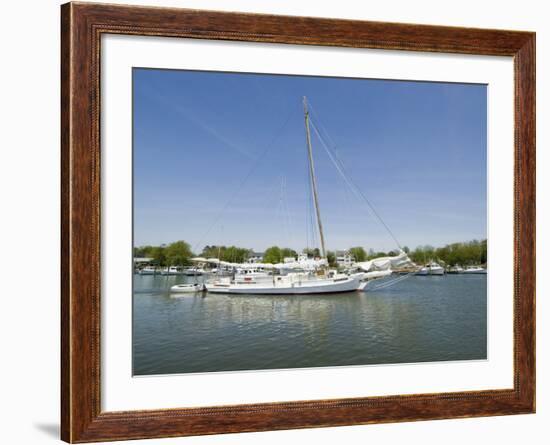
<point x="276" y="222"/>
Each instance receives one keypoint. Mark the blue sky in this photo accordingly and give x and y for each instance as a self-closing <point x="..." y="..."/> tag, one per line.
<point x="417" y="150"/>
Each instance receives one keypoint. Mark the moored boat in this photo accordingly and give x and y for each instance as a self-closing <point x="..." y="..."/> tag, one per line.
<point x="305" y="275"/>
<point x="475" y="270"/>
<point x="193" y="271"/>
<point x="291" y="284"/>
<point x="187" y="288"/>
<point x="172" y="270"/>
<point x="431" y="268"/>
<point x="436" y="269"/>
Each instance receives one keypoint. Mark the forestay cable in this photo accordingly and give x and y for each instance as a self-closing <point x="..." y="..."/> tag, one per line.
<point x="243" y="181"/>
<point x="338" y="164"/>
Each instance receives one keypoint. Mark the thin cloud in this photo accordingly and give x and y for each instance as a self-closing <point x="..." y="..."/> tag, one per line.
<point x="190" y="116"/>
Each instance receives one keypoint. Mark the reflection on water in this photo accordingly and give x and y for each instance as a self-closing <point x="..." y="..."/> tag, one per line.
<point x="417" y="320"/>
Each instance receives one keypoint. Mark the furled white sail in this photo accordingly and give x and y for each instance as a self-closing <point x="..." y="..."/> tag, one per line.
<point x="385" y="263"/>
<point x="300" y="264"/>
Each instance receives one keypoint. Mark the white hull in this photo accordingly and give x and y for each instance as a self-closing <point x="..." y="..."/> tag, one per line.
<point x="431" y="269"/>
<point x="192" y="273"/>
<point x="186" y="288"/>
<point x="305" y="287"/>
<point x="479" y="271"/>
<point x="171" y="272"/>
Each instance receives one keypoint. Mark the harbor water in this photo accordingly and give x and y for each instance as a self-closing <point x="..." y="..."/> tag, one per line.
<point x="420" y="319"/>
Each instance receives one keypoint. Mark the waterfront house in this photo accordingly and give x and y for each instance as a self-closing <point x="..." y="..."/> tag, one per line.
<point x="344" y="259"/>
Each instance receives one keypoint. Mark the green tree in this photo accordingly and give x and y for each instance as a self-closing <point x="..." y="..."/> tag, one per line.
<point x="358" y="253"/>
<point x="178" y="253"/>
<point x="377" y="255"/>
<point x="143" y="251"/>
<point x="231" y="254"/>
<point x="312" y="253"/>
<point x="273" y="255"/>
<point x="211" y="251"/>
<point x="159" y="256"/>
<point x="463" y="254"/>
<point x="234" y="254"/>
<point x="331" y="258"/>
<point x="286" y="252"/>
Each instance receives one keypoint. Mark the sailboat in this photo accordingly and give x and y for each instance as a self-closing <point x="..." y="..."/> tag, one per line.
<point x="318" y="281"/>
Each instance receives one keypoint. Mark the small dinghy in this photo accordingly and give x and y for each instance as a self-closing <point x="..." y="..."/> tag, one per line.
<point x="187" y="288"/>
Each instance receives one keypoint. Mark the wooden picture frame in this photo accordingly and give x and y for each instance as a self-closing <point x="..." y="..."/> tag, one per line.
<point x="82" y="25"/>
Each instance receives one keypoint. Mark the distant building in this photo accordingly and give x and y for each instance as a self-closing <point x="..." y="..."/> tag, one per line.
<point x="140" y="263"/>
<point x="255" y="257"/>
<point x="344" y="259"/>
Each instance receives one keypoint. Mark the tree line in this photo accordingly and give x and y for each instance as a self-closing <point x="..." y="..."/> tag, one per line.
<point x="179" y="253"/>
<point x="174" y="254"/>
<point x="463" y="254"/>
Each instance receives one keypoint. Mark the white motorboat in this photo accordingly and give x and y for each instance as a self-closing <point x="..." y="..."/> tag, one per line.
<point x="423" y="271"/>
<point x="431" y="269"/>
<point x="455" y="269"/>
<point x="435" y="269"/>
<point x="172" y="270"/>
<point x="193" y="271"/>
<point x="475" y="270"/>
<point x="187" y="288"/>
<point x="148" y="271"/>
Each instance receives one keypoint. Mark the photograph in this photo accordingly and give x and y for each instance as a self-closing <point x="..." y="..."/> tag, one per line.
<point x="275" y="222"/>
<point x="292" y="221"/>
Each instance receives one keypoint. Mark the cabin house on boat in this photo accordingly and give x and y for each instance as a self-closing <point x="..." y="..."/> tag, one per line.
<point x="302" y="257"/>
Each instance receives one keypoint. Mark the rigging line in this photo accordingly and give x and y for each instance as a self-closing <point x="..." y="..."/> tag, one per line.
<point x="286" y="211"/>
<point x="243" y="181"/>
<point x="341" y="169"/>
<point x="286" y="214"/>
<point x="282" y="211"/>
<point x="321" y="128"/>
<point x="392" y="282"/>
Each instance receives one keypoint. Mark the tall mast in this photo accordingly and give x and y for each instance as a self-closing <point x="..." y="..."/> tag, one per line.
<point x="313" y="180"/>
